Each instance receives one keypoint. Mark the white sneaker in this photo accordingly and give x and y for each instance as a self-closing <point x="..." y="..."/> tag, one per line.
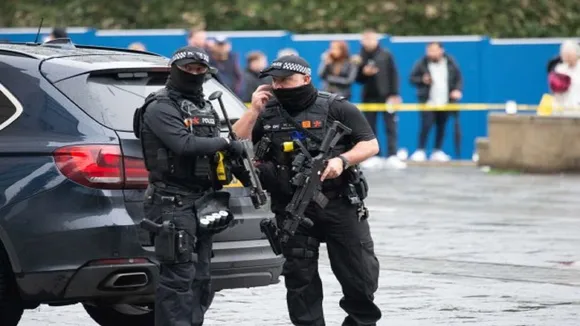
<point x="403" y="154"/>
<point x="419" y="156"/>
<point x="439" y="156"/>
<point x="373" y="163"/>
<point x="394" y="163"/>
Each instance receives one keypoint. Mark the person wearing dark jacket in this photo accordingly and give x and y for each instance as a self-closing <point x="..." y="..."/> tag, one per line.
<point x="277" y="113"/>
<point x="337" y="71"/>
<point x="438" y="81"/>
<point x="179" y="132"/>
<point x="378" y="75"/>
<point x="255" y="62"/>
<point x="226" y="62"/>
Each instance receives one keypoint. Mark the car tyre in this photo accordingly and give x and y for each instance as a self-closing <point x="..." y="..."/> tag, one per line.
<point x="11" y="308"/>
<point x="124" y="314"/>
<point x="121" y="314"/>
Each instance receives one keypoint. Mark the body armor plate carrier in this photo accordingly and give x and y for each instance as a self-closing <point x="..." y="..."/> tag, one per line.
<point x="309" y="126"/>
<point x="160" y="161"/>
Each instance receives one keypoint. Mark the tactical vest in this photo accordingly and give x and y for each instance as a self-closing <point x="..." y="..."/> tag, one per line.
<point x="160" y="161"/>
<point x="313" y="123"/>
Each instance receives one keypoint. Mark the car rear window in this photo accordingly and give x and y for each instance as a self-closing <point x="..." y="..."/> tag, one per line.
<point x="111" y="98"/>
<point x="10" y="108"/>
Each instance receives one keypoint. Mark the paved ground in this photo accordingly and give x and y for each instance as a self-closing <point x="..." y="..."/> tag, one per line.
<point x="456" y="246"/>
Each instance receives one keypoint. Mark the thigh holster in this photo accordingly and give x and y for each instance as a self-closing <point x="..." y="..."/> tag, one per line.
<point x="174" y="236"/>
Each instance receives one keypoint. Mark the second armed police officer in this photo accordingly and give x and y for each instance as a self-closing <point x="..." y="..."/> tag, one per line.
<point x="291" y="107"/>
<point x="180" y="133"/>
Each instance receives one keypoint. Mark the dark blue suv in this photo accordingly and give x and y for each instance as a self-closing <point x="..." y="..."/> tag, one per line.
<point x="72" y="180"/>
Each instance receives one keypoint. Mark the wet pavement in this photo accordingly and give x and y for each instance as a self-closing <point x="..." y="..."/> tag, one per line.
<point x="456" y="246"/>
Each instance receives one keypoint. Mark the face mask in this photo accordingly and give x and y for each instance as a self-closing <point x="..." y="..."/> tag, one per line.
<point x="296" y="99"/>
<point x="189" y="85"/>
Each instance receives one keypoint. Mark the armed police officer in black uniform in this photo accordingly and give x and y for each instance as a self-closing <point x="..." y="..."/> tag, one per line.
<point x="180" y="136"/>
<point x="291" y="108"/>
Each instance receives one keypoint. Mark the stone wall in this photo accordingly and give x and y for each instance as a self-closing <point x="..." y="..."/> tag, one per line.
<point x="530" y="143"/>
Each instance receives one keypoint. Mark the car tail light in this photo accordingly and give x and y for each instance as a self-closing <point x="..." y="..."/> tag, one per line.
<point x="136" y="175"/>
<point x="101" y="166"/>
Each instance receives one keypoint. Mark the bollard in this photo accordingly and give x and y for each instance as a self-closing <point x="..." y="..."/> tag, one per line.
<point x="511" y="107"/>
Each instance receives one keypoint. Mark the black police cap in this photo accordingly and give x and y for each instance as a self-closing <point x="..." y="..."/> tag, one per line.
<point x="286" y="66"/>
<point x="190" y="54"/>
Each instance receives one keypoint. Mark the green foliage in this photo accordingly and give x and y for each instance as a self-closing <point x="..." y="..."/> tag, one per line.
<point x="498" y="18"/>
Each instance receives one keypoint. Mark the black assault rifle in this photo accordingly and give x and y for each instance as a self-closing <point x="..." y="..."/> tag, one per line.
<point x="244" y="165"/>
<point x="308" y="171"/>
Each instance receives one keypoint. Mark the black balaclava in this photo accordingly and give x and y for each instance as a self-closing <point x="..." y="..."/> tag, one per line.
<point x="296" y="99"/>
<point x="188" y="85"/>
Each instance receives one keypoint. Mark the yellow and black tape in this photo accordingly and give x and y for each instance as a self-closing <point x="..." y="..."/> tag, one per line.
<point x="382" y="107"/>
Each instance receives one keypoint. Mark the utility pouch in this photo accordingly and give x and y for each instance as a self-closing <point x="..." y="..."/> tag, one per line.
<point x="213" y="212"/>
<point x="357" y="191"/>
<point x="183" y="247"/>
<point x="262" y="148"/>
<point x="165" y="246"/>
<point x="362" y="188"/>
<point x="202" y="167"/>
<point x="352" y="195"/>
<point x="355" y="176"/>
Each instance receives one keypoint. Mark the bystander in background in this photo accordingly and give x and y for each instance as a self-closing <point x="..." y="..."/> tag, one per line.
<point x="565" y="79"/>
<point x="57" y="32"/>
<point x="336" y="70"/>
<point x="137" y="46"/>
<point x="438" y="80"/>
<point x="286" y="51"/>
<point x="256" y="61"/>
<point x="226" y="62"/>
<point x="379" y="77"/>
<point x="198" y="37"/>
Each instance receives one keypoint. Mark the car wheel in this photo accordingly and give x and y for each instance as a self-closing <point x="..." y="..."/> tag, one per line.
<point x="121" y="314"/>
<point x="124" y="314"/>
<point x="11" y="307"/>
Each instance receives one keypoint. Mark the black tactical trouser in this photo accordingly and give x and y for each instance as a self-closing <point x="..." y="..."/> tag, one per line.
<point x="352" y="259"/>
<point x="183" y="291"/>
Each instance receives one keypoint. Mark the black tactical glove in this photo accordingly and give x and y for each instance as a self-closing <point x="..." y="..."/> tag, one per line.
<point x="236" y="149"/>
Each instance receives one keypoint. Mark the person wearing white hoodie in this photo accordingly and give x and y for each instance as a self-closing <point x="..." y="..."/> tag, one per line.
<point x="568" y="102"/>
